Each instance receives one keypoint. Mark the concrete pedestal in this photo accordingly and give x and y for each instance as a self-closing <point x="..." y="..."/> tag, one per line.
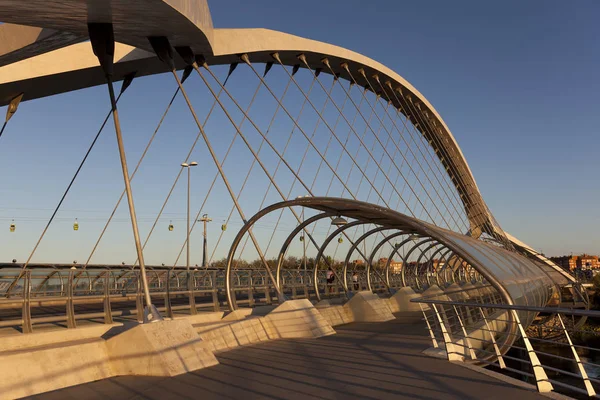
<point x="368" y="307"/>
<point x="292" y="319"/>
<point x="335" y="313"/>
<point x="298" y="319"/>
<point x="400" y="301"/>
<point x="166" y="348"/>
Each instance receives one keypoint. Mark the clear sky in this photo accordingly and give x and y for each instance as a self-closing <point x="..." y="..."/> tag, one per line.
<point x="516" y="82"/>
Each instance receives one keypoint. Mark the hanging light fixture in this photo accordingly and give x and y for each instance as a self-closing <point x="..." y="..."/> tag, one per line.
<point x="224" y="226"/>
<point x="338" y="221"/>
<point x="170" y="226"/>
<point x="340" y="240"/>
<point x="75" y="225"/>
<point x="13" y="226"/>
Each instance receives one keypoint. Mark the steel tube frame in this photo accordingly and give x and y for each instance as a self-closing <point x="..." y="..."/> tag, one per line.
<point x="103" y="44"/>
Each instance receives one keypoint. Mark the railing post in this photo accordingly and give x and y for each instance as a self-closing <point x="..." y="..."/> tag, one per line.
<point x="267" y="292"/>
<point x="450" y="352"/>
<point x="71" y="324"/>
<point x="496" y="349"/>
<point x="215" y="291"/>
<point x="27" y="324"/>
<point x="541" y="379"/>
<point x="168" y="308"/>
<point x="139" y="302"/>
<point x="433" y="339"/>
<point x="108" y="319"/>
<point x="586" y="380"/>
<point x="191" y="294"/>
<point x="250" y="291"/>
<point x="306" y="294"/>
<point x="466" y="337"/>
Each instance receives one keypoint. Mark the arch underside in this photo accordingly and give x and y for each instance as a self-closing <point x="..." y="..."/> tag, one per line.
<point x="53" y="64"/>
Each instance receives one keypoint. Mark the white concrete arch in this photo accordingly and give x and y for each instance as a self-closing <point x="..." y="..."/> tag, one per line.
<point x="49" y="63"/>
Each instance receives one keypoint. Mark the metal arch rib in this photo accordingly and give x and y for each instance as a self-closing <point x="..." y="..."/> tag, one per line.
<point x="472" y="251"/>
<point x="49" y="70"/>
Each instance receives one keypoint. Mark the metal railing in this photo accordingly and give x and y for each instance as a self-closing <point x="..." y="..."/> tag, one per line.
<point x="66" y="296"/>
<point x="562" y="356"/>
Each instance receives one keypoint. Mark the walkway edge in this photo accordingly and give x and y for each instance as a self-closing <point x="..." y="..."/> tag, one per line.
<point x="511" y="381"/>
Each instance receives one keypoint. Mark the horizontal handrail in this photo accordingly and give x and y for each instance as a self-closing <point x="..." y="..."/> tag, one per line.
<point x="552" y="310"/>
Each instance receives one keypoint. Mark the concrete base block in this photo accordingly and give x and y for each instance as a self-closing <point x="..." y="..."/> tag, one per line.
<point x="29" y="373"/>
<point x="204" y="317"/>
<point x="298" y="319"/>
<point x="434" y="290"/>
<point x="292" y="319"/>
<point x="334" y="314"/>
<point x="231" y="334"/>
<point x="45" y="361"/>
<point x="400" y="301"/>
<point x="238" y="315"/>
<point x="368" y="307"/>
<point x="166" y="348"/>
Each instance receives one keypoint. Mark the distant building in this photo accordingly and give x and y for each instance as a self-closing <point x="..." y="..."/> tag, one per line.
<point x="588" y="262"/>
<point x="583" y="262"/>
<point x="395" y="267"/>
<point x="568" y="263"/>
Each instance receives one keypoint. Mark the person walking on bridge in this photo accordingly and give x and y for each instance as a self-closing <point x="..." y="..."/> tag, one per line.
<point x="330" y="279"/>
<point x="355" y="280"/>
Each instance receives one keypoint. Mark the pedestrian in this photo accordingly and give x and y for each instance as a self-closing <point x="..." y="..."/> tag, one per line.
<point x="330" y="279"/>
<point x="355" y="280"/>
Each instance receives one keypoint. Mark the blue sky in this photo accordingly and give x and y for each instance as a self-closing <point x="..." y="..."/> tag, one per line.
<point x="515" y="81"/>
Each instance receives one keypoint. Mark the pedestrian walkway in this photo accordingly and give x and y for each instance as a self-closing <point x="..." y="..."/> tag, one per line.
<point x="364" y="360"/>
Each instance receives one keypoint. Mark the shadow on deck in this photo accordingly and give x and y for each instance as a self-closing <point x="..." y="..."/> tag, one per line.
<point x="364" y="360"/>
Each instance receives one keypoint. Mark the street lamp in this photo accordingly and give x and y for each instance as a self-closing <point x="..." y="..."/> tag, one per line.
<point x="189" y="167"/>
<point x="204" y="219"/>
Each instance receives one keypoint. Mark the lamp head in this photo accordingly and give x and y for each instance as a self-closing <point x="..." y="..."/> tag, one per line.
<point x="339" y="221"/>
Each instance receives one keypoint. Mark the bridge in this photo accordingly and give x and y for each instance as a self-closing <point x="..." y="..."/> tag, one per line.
<point x="353" y="238"/>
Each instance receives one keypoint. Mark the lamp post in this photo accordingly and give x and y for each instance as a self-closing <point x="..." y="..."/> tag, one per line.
<point x="204" y="219"/>
<point x="188" y="167"/>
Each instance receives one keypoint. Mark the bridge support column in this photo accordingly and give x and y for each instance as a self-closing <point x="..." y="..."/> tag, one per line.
<point x="103" y="44"/>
